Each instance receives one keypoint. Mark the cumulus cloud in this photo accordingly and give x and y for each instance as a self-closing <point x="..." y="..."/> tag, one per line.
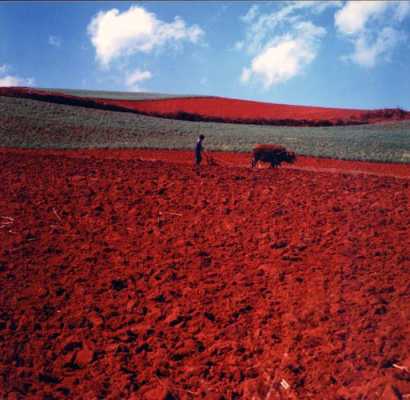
<point x="373" y="28"/>
<point x="134" y="78"/>
<point x="353" y="17"/>
<point x="282" y="43"/>
<point x="261" y="27"/>
<point x="12" y="80"/>
<point x="285" y="56"/>
<point x="115" y="34"/>
<point x="54" y="41"/>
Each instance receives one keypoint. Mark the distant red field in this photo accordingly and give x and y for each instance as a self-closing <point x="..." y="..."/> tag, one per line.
<point x="234" y="109"/>
<point x="222" y="109"/>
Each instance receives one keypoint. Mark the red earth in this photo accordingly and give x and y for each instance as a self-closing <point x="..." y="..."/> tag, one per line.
<point x="227" y="159"/>
<point x="236" y="109"/>
<point x="226" y="109"/>
<point x="239" y="110"/>
<point x="124" y="275"/>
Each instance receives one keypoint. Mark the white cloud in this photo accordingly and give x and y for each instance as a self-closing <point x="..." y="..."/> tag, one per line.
<point x="282" y="43"/>
<point x="54" y="41"/>
<point x="13" y="80"/>
<point x="10" y="80"/>
<point x="263" y="26"/>
<point x="251" y="14"/>
<point x="319" y="6"/>
<point x="246" y="75"/>
<point x="134" y="78"/>
<point x="353" y="17"/>
<point x="286" y="56"/>
<point x="373" y="29"/>
<point x="238" y="45"/>
<point x="366" y="54"/>
<point x="115" y="34"/>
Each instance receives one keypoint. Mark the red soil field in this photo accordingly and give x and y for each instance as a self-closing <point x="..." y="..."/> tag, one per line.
<point x="227" y="110"/>
<point x="123" y="278"/>
<point x="234" y="109"/>
<point x="227" y="159"/>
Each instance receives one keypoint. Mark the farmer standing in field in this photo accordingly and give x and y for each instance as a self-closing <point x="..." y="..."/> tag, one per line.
<point x="198" y="152"/>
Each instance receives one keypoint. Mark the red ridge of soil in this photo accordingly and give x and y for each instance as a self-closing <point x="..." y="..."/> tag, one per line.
<point x="229" y="110"/>
<point x="128" y="279"/>
<point x="226" y="159"/>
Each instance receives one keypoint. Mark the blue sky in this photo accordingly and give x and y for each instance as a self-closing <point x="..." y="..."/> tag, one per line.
<point x="325" y="53"/>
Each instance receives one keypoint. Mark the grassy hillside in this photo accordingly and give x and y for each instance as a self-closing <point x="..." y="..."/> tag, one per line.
<point x="37" y="124"/>
<point x="99" y="94"/>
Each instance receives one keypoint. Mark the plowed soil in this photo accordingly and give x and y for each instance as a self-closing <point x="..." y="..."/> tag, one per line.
<point x="125" y="275"/>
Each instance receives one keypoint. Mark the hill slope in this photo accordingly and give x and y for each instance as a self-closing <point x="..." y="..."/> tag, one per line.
<point x="35" y="124"/>
<point x="217" y="109"/>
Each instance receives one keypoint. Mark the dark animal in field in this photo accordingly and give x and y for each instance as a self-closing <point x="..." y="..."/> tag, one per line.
<point x="272" y="153"/>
